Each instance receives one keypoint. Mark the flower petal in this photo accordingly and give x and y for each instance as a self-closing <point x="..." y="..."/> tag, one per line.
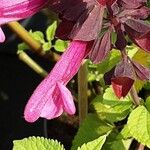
<point x="2" y="36"/>
<point x="38" y="100"/>
<point x="67" y="99"/>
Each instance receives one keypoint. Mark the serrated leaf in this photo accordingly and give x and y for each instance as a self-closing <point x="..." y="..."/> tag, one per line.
<point x="91" y="128"/>
<point x="38" y="35"/>
<point x="110" y="108"/>
<point x="37" y="143"/>
<point x="139" y="125"/>
<point x="50" y="32"/>
<point x="95" y="144"/>
<point x="113" y="142"/>
<point x="60" y="45"/>
<point x="125" y="132"/>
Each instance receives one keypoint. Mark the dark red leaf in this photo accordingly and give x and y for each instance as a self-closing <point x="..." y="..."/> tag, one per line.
<point x="139" y="32"/>
<point x="121" y="86"/>
<point x="136" y="28"/>
<point x="128" y="4"/>
<point x="124" y="77"/>
<point x="101" y="48"/>
<point x="88" y="27"/>
<point x="142" y="72"/>
<point x="143" y="42"/>
<point x="140" y="13"/>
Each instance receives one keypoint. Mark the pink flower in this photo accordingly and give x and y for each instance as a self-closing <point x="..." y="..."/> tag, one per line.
<point x="12" y="10"/>
<point x="52" y="98"/>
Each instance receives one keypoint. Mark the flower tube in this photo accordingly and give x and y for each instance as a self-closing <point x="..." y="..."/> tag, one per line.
<point x="52" y="98"/>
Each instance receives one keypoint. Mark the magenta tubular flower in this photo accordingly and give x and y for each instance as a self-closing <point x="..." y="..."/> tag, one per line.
<point x="52" y="98"/>
<point x="12" y="10"/>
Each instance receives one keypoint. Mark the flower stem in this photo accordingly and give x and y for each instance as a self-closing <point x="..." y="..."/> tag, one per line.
<point x="30" y="41"/>
<point x="32" y="64"/>
<point x="82" y="92"/>
<point x="141" y="147"/>
<point x="135" y="96"/>
<point x="25" y="36"/>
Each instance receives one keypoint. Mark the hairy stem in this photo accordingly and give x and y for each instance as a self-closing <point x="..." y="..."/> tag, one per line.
<point x="135" y="96"/>
<point x="82" y="92"/>
<point x="141" y="147"/>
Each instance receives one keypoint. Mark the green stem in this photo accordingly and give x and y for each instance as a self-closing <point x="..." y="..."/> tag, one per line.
<point x="82" y="92"/>
<point x="30" y="41"/>
<point x="25" y="36"/>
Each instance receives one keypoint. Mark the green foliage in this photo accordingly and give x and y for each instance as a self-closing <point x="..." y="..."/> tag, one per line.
<point x="97" y="71"/>
<point x="50" y="31"/>
<point x="110" y="108"/>
<point x="46" y="40"/>
<point x="91" y="128"/>
<point x="139" y="125"/>
<point x="113" y="142"/>
<point x="95" y="144"/>
<point x="37" y="143"/>
<point x="60" y="45"/>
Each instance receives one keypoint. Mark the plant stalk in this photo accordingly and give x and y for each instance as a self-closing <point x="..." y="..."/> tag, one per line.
<point x="82" y="92"/>
<point x="135" y="96"/>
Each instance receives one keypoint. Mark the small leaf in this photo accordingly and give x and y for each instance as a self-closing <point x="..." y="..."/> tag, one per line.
<point x="50" y="32"/>
<point x="91" y="128"/>
<point x="60" y="45"/>
<point x="139" y="125"/>
<point x="123" y="79"/>
<point x="22" y="47"/>
<point x="142" y="72"/>
<point x="47" y="46"/>
<point x="95" y="144"/>
<point x="37" y="143"/>
<point x="101" y="48"/>
<point x="38" y="35"/>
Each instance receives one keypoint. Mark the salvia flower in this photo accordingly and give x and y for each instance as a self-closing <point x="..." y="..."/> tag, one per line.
<point x="13" y="10"/>
<point x="52" y="98"/>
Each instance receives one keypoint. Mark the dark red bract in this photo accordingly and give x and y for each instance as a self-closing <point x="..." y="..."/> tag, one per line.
<point x="85" y="20"/>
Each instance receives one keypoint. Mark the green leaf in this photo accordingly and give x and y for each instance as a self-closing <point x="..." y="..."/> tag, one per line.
<point x="50" y="32"/>
<point x="125" y="132"/>
<point x="60" y="45"/>
<point x="139" y="125"/>
<point x="47" y="46"/>
<point x="91" y="128"/>
<point x="109" y="62"/>
<point x="38" y="35"/>
<point x="22" y="47"/>
<point x="95" y="144"/>
<point x="37" y="143"/>
<point x="147" y="103"/>
<point x="113" y="142"/>
<point x="110" y="108"/>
